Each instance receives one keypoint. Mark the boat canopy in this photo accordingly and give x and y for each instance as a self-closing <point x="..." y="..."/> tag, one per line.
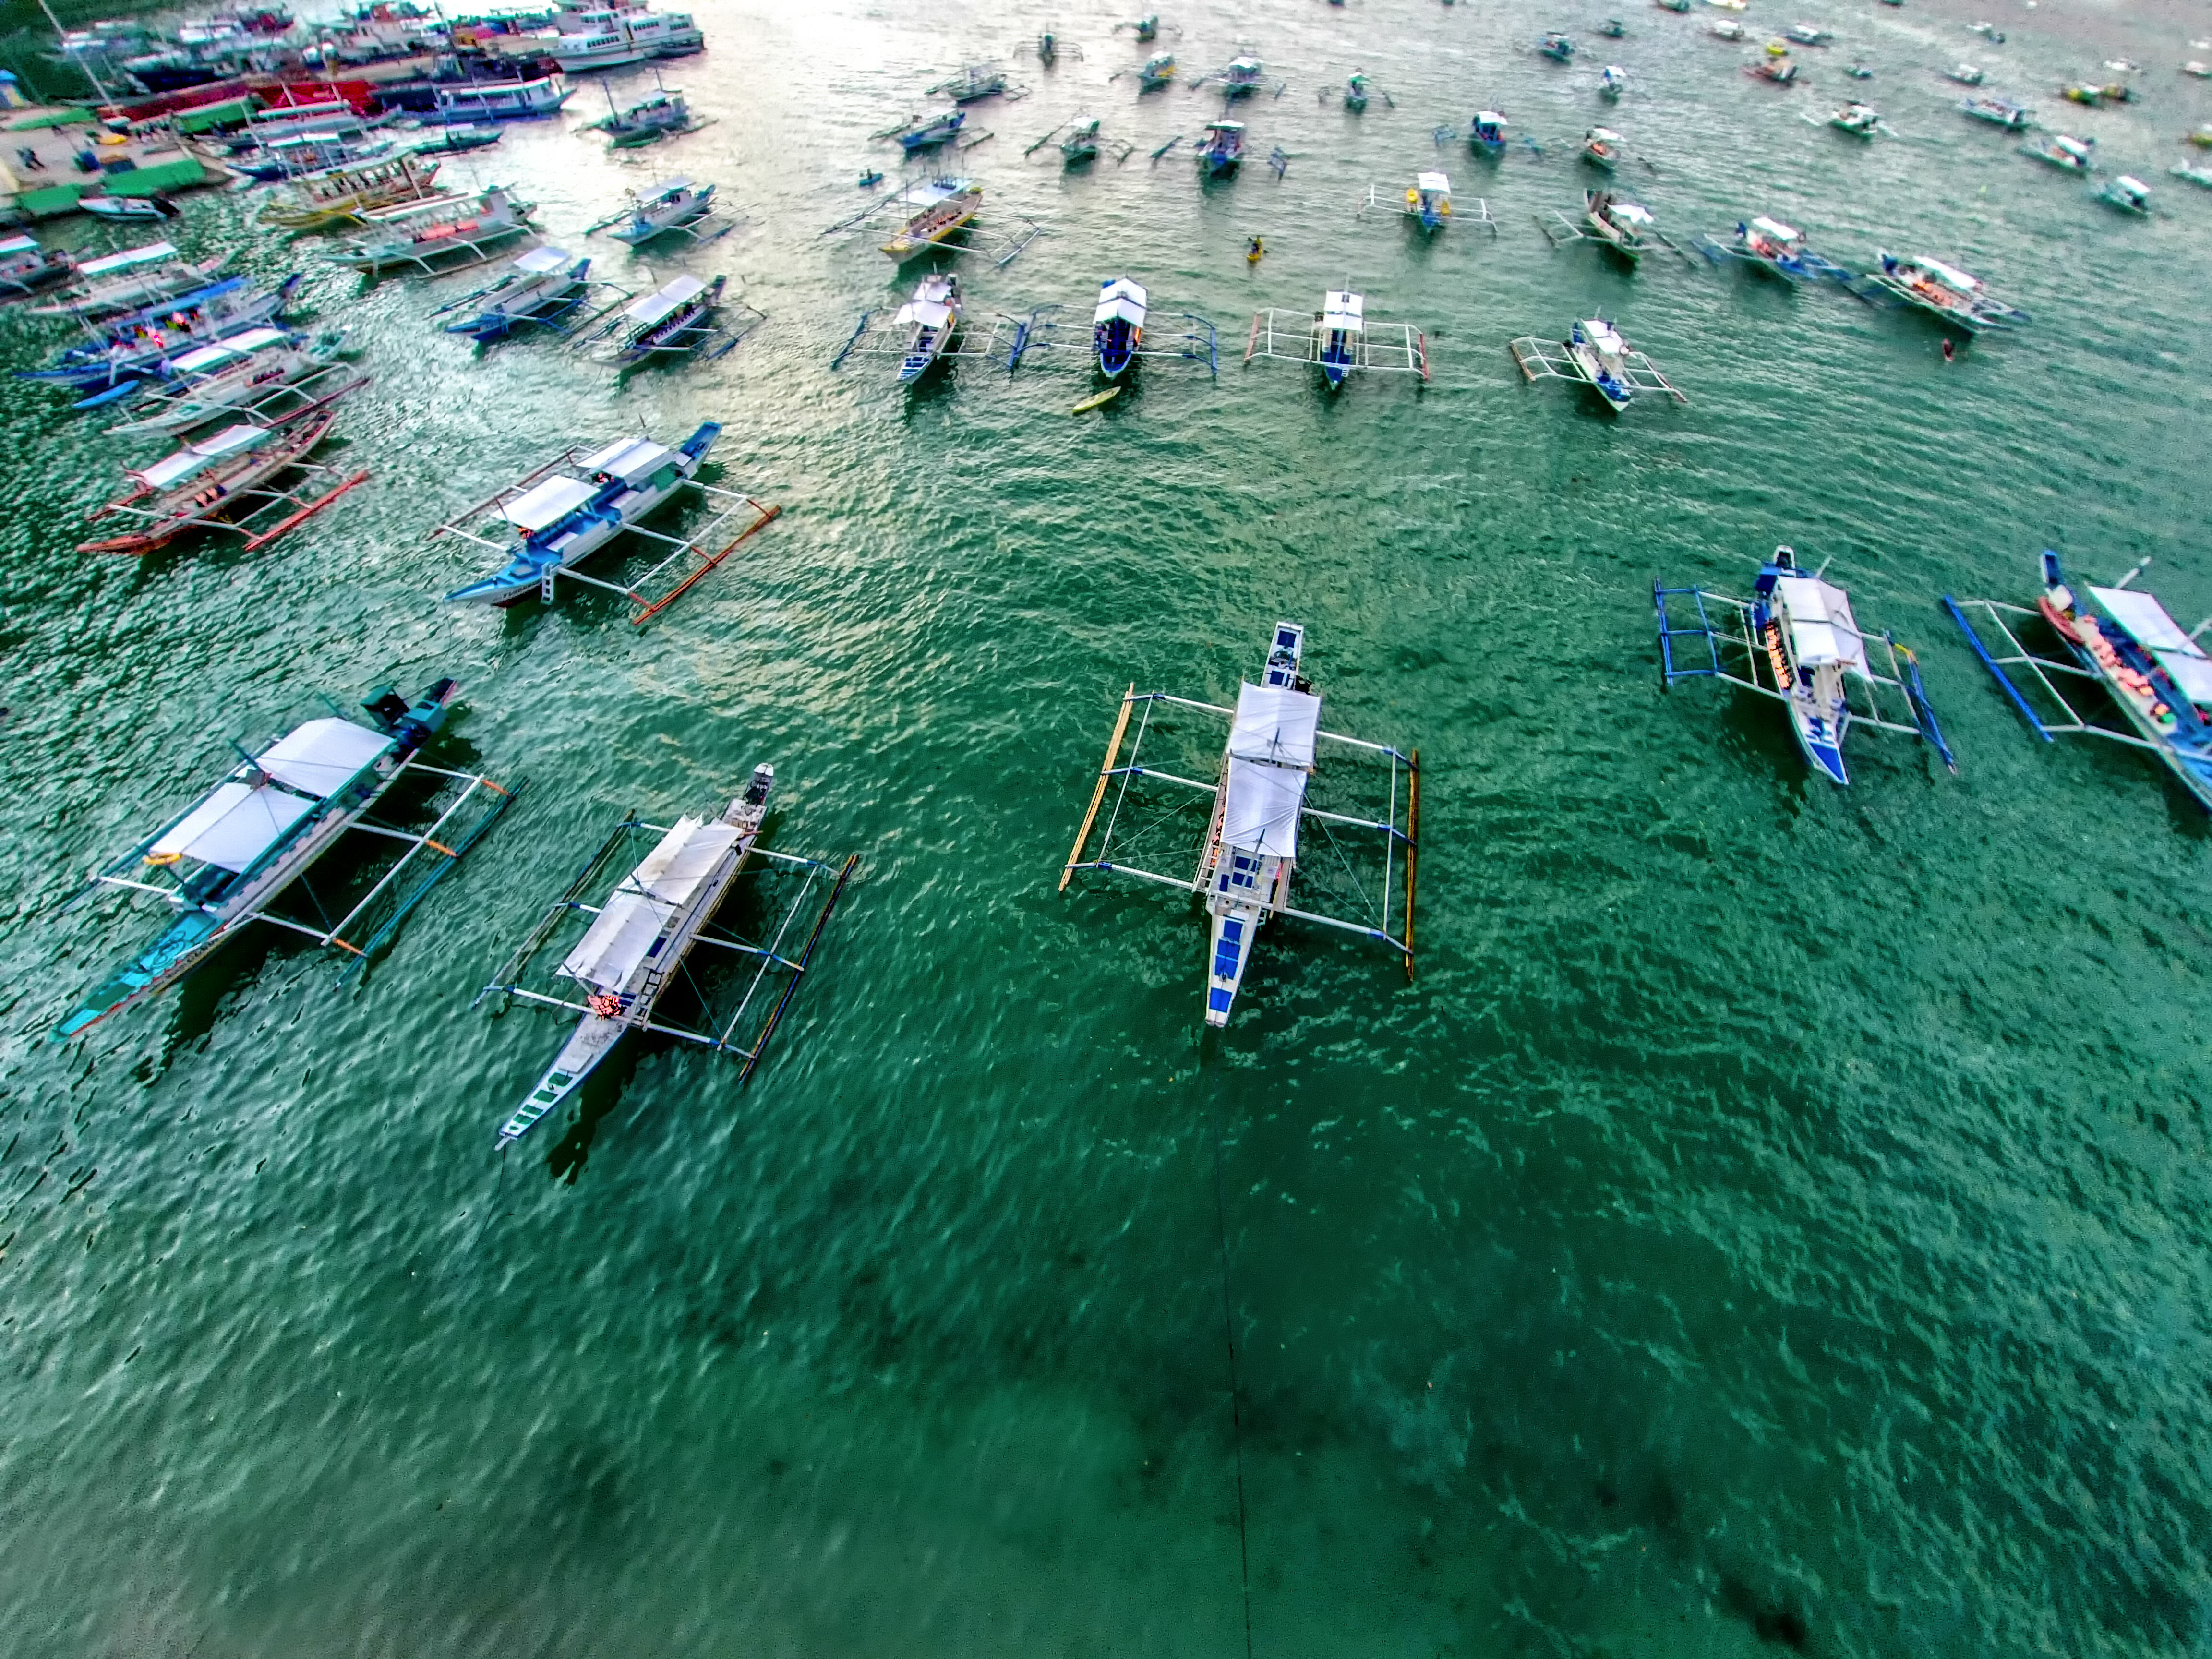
<point x="630" y="461"/>
<point x="129" y="259"/>
<point x="1271" y="747"/>
<point x="1120" y="298"/>
<point x="323" y="756"/>
<point x="547" y="503"/>
<point x="218" y="353"/>
<point x="2165" y="639"/>
<point x="1489" y="118"/>
<point x="17" y="243"/>
<point x="1225" y="126"/>
<point x="539" y="261"/>
<point x="1432" y="184"/>
<point x="1949" y="276"/>
<point x="1628" y="213"/>
<point x="1774" y="227"/>
<point x="1341" y="311"/>
<point x="174" y="469"/>
<point x="2074" y="147"/>
<point x="1605" y="135"/>
<point x="663" y="192"/>
<point x="635" y="915"/>
<point x="654" y="306"/>
<point x="1603" y="336"/>
<point x="1821" y="628"/>
<point x="231" y="828"/>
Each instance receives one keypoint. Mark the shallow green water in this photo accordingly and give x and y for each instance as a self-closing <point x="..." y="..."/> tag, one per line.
<point x="1775" y="1216"/>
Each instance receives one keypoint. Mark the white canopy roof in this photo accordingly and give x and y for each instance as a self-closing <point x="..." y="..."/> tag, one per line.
<point x="630" y="459"/>
<point x="662" y="192"/>
<point x="1225" y="126"/>
<point x="930" y="313"/>
<point x="1340" y="310"/>
<point x="175" y="468"/>
<point x="1121" y="288"/>
<point x="1821" y="629"/>
<point x="1603" y="336"/>
<point x="1434" y="183"/>
<point x="17" y="243"/>
<point x="1263" y="813"/>
<point x="1271" y="744"/>
<point x="1774" y="227"/>
<point x="634" y="917"/>
<point x="1489" y="118"/>
<point x="1950" y="276"/>
<point x="541" y="260"/>
<point x="1274" y="724"/>
<point x="232" y="827"/>
<point x="547" y="503"/>
<point x="322" y="756"/>
<point x="218" y="353"/>
<point x="1604" y="136"/>
<point x="128" y="259"/>
<point x="2164" y="638"/>
<point x="1629" y="213"/>
<point x="654" y="306"/>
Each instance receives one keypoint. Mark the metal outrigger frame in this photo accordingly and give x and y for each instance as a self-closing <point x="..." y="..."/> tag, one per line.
<point x="1297" y="337"/>
<point x="1551" y="360"/>
<point x="1198" y="342"/>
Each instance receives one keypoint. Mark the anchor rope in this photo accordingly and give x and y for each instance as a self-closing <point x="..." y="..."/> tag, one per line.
<point x="1229" y="1340"/>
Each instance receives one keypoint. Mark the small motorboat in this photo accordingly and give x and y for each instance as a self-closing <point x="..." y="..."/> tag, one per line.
<point x="1988" y="32"/>
<point x="1602" y="148"/>
<point x="1727" y="28"/>
<point x="2200" y="177"/>
<point x="459" y="140"/>
<point x="1224" y="148"/>
<point x="666" y="207"/>
<point x="1774" y="247"/>
<point x="256" y="375"/>
<point x="932" y="132"/>
<point x="436" y="236"/>
<point x="1806" y="35"/>
<point x="931" y="318"/>
<point x="2202" y="137"/>
<point x="1117" y="325"/>
<point x="1776" y="71"/>
<point x="1612" y="28"/>
<point x="1860" y="120"/>
<point x="2128" y="193"/>
<point x="1626" y="227"/>
<point x="1613" y="82"/>
<point x="1811" y="640"/>
<point x="120" y="209"/>
<point x="1159" y="69"/>
<point x="973" y="82"/>
<point x="871" y="179"/>
<point x="1998" y="112"/>
<point x="1967" y="75"/>
<point x="1428" y="200"/>
<point x="1487" y="132"/>
<point x="1081" y="146"/>
<point x="1943" y="291"/>
<point x="2063" y="151"/>
<point x="1557" y="47"/>
<point x="202" y="483"/>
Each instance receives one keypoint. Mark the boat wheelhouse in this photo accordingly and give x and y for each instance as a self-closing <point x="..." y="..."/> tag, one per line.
<point x="1117" y="325"/>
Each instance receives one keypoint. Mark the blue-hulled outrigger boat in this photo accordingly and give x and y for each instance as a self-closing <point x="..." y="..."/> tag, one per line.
<point x="1117" y="325"/>
<point x="224" y="860"/>
<point x="936" y="129"/>
<point x="1486" y="133"/>
<point x="1796" y="641"/>
<point x="2123" y="641"/>
<point x="930" y="320"/>
<point x="125" y="350"/>
<point x="1769" y="245"/>
<point x="542" y="286"/>
<point x="1224" y="148"/>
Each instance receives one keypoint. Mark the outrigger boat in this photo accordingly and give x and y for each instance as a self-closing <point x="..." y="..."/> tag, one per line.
<point x="1776" y="71"/>
<point x="1428" y="200"/>
<point x="1628" y="228"/>
<point x="1244" y="78"/>
<point x="542" y="286"/>
<point x="1727" y="29"/>
<point x="640" y="935"/>
<point x="1595" y="356"/>
<point x="1159" y="69"/>
<point x="1860" y="120"/>
<point x="1486" y="133"/>
<point x="1557" y="47"/>
<point x="1339" y="340"/>
<point x="1998" y="112"/>
<point x="677" y="205"/>
<point x="1967" y="75"/>
<point x="2128" y="193"/>
<point x="503" y="100"/>
<point x="1223" y="149"/>
<point x="2127" y="644"/>
<point x="680" y="319"/>
<point x="664" y="115"/>
<point x="973" y="82"/>
<point x="2200" y="177"/>
<point x="135" y="279"/>
<point x="1805" y="34"/>
<point x="430" y="237"/>
<point x="223" y="483"/>
<point x="1613" y="81"/>
<point x="24" y="267"/>
<point x="117" y="210"/>
<point x="1672" y="5"/>
<point x="1796" y="641"/>
<point x="1081" y="144"/>
<point x="1943" y="291"/>
<point x="1769" y="245"/>
<point x="254" y="376"/>
<point x="458" y="141"/>
<point x="1117" y="325"/>
<point x="930" y="319"/>
<point x="1612" y="28"/>
<point x="346" y="196"/>
<point x="1602" y="148"/>
<point x="226" y="859"/>
<point x="931" y="132"/>
<point x="941" y="207"/>
<point x="2067" y="154"/>
<point x="1355" y="92"/>
<point x="126" y="351"/>
<point x="1259" y="809"/>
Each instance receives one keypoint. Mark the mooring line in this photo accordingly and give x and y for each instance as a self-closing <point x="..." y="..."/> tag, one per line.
<point x="1228" y="1340"/>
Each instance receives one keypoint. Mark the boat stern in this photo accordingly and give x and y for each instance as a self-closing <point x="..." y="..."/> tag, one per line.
<point x="1229" y="950"/>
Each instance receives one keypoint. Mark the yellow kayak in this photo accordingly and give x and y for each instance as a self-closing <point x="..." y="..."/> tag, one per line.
<point x="1094" y="402"/>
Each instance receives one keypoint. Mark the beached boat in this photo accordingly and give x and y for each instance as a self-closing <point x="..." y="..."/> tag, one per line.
<point x="940" y="209"/>
<point x="127" y="350"/>
<point x="1602" y="148"/>
<point x="483" y="101"/>
<point x="664" y="115"/>
<point x="1223" y="149"/>
<point x="1943" y="291"/>
<point x="1117" y="325"/>
<point x="1556" y="46"/>
<point x="130" y="280"/>
<point x="636" y="947"/>
<point x="1428" y="200"/>
<point x="227" y="859"/>
<point x="24" y="267"/>
<point x="928" y="322"/>
<point x="931" y="131"/>
<point x="1486" y="133"/>
<point x="1860" y="120"/>
<point x="438" y="235"/>
<point x="568" y="511"/>
<point x="2063" y="151"/>
<point x="252" y="376"/>
<point x="1081" y="144"/>
<point x="1159" y="69"/>
<point x="539" y="287"/>
<point x="222" y="482"/>
<point x="2128" y="193"/>
<point x="1998" y="112"/>
<point x="345" y="196"/>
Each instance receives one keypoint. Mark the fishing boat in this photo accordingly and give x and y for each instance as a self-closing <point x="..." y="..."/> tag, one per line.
<point x="2128" y="193"/>
<point x="1943" y="291"/>
<point x="2067" y="154"/>
<point x="1486" y="133"/>
<point x="929" y="321"/>
<point x="24" y="267"/>
<point x="1355" y="92"/>
<point x="1775" y="71"/>
<point x="1672" y="5"/>
<point x="1796" y="641"/>
<point x="1147" y="28"/>
<point x="1081" y="144"/>
<point x="483" y="102"/>
<point x="1597" y="347"/>
<point x="1613" y="81"/>
<point x="1594" y="355"/>
<point x="435" y="236"/>
<point x="458" y="141"/>
<point x="343" y="196"/>
<point x="636" y="947"/>
<point x="1342" y="322"/>
<point x="673" y="205"/>
<point x="228" y="857"/>
<point x="575" y="506"/>
<point x="1224" y="148"/>
<point x="1117" y="325"/>
<point x="1612" y="28"/>
<point x="1339" y="339"/>
<point x="1428" y="200"/>
<point x="1727" y="28"/>
<point x="1770" y="246"/>
<point x="540" y="286"/>
<point x="222" y="482"/>
<point x="119" y="210"/>
<point x="123" y="351"/>
<point x="1860" y="72"/>
<point x="677" y="320"/>
<point x="2198" y="176"/>
<point x="973" y="82"/>
<point x="130" y="280"/>
<point x="1860" y="120"/>
<point x="1557" y="47"/>
<point x="1602" y="148"/>
<point x="1159" y="69"/>
<point x="932" y="130"/>
<point x="1243" y="76"/>
<point x="311" y="152"/>
<point x="250" y="376"/>
<point x="1805" y="34"/>
<point x="1998" y="112"/>
<point x="941" y="208"/>
<point x="664" y="115"/>
<point x="1967" y="75"/>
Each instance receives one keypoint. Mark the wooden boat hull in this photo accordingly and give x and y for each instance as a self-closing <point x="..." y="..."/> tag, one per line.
<point x="211" y="498"/>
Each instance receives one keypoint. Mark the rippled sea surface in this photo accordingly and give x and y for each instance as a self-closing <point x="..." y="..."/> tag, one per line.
<point x="1774" y="1219"/>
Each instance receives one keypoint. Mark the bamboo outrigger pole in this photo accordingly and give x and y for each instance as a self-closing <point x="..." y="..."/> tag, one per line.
<point x="1413" y="855"/>
<point x="1098" y="795"/>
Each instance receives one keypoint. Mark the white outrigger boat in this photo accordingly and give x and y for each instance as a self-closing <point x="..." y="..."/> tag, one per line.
<point x="683" y="320"/>
<point x="1860" y="120"/>
<point x="939" y="209"/>
<point x="1628" y="228"/>
<point x="1943" y="291"/>
<point x="227" y="483"/>
<point x="1485" y="134"/>
<point x="2200" y="177"/>
<point x="929" y="321"/>
<point x="1081" y="146"/>
<point x="677" y="205"/>
<point x="259" y="375"/>
<point x="2064" y="151"/>
<point x="1794" y="639"/>
<point x="542" y="287"/>
<point x="135" y="277"/>
<point x="1613" y="81"/>
<point x="1339" y="340"/>
<point x="1428" y="200"/>
<point x="1595" y="354"/>
<point x="1259" y="807"/>
<point x="2124" y="642"/>
<point x="435" y="236"/>
<point x="635" y="949"/>
<point x="24" y="267"/>
<point x="1117" y="325"/>
<point x="1770" y="246"/>
<point x="1602" y="148"/>
<point x="573" y="505"/>
<point x="223" y="861"/>
<point x="2128" y="193"/>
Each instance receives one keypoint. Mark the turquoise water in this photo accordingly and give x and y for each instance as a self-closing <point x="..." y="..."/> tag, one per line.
<point x="1774" y="1219"/>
